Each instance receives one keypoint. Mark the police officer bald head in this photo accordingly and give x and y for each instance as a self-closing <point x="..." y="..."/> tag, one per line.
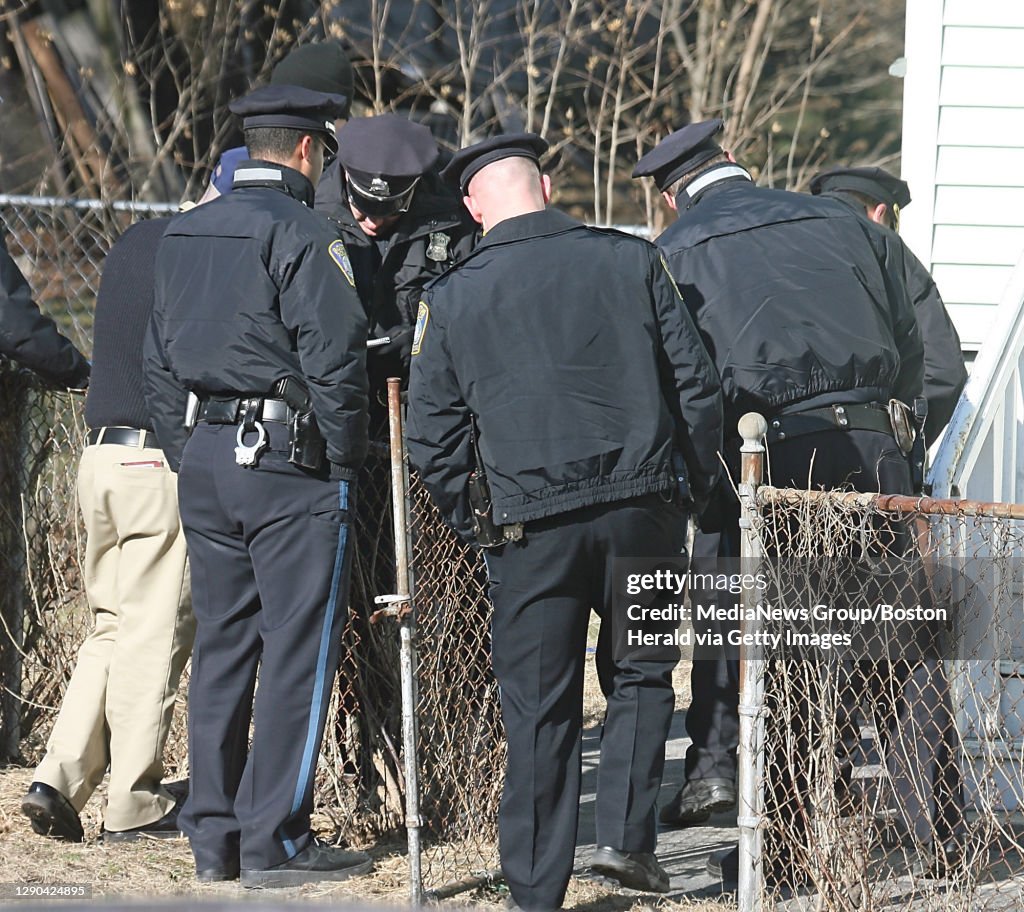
<point x="384" y="158"/>
<point x="501" y="177"/>
<point x="881" y="194"/>
<point x="290" y="125"/>
<point x="679" y="160"/>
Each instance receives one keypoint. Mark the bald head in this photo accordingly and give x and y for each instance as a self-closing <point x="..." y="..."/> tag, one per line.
<point x="507" y="188"/>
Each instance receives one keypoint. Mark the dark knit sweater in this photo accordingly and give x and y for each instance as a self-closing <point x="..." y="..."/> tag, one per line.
<point x="123" y="308"/>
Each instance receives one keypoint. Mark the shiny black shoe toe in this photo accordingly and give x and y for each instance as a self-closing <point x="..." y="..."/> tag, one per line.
<point x="316" y="862"/>
<point x="696" y="801"/>
<point x="51" y="813"/>
<point x="633" y="870"/>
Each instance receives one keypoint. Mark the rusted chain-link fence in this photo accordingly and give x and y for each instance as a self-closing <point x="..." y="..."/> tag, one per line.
<point x="888" y="647"/>
<point x="60" y="246"/>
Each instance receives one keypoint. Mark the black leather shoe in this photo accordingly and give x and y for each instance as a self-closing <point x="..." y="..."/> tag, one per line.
<point x="164" y="828"/>
<point x="217" y="874"/>
<point x="316" y="862"/>
<point x="51" y="813"/>
<point x="696" y="801"/>
<point x="634" y="870"/>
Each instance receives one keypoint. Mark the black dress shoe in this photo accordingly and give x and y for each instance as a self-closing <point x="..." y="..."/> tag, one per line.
<point x="633" y="870"/>
<point x="317" y="861"/>
<point x="217" y="874"/>
<point x="51" y="813"/>
<point x="696" y="801"/>
<point x="164" y="828"/>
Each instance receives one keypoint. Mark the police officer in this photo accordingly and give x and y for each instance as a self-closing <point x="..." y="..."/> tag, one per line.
<point x="30" y="339"/>
<point x="402" y="227"/>
<point x="256" y="316"/>
<point x="556" y="365"/>
<point x="118" y="705"/>
<point x="880" y="197"/>
<point x="805" y="312"/>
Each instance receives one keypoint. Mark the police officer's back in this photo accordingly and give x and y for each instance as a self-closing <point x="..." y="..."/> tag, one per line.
<point x="880" y="197"/>
<point x="256" y="316"/>
<point x="804" y="308"/>
<point x="557" y="366"/>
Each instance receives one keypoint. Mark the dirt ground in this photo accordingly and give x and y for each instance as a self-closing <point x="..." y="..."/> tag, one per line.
<point x="162" y="869"/>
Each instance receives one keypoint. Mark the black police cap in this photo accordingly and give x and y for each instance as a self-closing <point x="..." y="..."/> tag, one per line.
<point x="322" y="67"/>
<point x="876" y="183"/>
<point x="384" y="157"/>
<point x="293" y="108"/>
<point x="467" y="162"/>
<point x="680" y="152"/>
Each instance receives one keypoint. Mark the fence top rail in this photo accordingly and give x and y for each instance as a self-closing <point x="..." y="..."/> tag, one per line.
<point x="58" y="202"/>
<point x="890" y="503"/>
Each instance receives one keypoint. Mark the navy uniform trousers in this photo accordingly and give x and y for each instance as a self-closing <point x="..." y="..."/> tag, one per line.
<point x="543" y="589"/>
<point x="912" y="700"/>
<point x="270" y="549"/>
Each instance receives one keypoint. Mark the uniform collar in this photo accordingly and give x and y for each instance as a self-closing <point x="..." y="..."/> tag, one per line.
<point x="258" y="173"/>
<point x="690" y="194"/>
<point x="529" y="225"/>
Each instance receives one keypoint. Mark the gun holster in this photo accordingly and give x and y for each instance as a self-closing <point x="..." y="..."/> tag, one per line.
<point x="306" y="445"/>
<point x="488" y="533"/>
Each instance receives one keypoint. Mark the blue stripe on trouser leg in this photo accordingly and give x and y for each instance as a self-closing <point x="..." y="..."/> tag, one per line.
<point x="310" y="750"/>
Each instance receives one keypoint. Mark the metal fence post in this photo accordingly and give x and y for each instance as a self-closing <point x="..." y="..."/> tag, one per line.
<point x="407" y="655"/>
<point x="752" y="428"/>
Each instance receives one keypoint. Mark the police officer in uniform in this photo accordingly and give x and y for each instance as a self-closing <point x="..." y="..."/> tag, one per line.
<point x="256" y="316"/>
<point x="557" y="366"/>
<point x="30" y="339"/>
<point x="880" y="196"/>
<point x="402" y="227"/>
<point x="804" y="310"/>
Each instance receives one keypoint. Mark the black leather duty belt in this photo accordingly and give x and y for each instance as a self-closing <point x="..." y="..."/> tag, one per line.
<point x="123" y="436"/>
<point x="869" y="417"/>
<point x="216" y="410"/>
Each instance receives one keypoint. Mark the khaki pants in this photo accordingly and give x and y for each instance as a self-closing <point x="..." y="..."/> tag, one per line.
<point x="119" y="702"/>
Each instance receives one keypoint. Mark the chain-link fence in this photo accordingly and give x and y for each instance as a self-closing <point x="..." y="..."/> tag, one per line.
<point x="884" y="694"/>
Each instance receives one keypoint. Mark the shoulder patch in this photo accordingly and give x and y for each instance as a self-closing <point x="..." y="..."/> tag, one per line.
<point x="671" y="278"/>
<point x="422" y="318"/>
<point x="340" y="256"/>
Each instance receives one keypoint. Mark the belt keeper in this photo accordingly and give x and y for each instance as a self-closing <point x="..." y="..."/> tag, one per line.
<point x="749" y="823"/>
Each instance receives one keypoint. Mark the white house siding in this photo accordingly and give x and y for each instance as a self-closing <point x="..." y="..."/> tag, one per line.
<point x="963" y="150"/>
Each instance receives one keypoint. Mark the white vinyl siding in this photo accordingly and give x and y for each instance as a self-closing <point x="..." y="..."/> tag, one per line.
<point x="963" y="151"/>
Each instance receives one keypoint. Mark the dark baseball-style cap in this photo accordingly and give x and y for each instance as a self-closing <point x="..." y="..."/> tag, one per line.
<point x="322" y="67"/>
<point x="384" y="157"/>
<point x="293" y="108"/>
<point x="875" y="183"/>
<point x="467" y="162"/>
<point x="680" y="152"/>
